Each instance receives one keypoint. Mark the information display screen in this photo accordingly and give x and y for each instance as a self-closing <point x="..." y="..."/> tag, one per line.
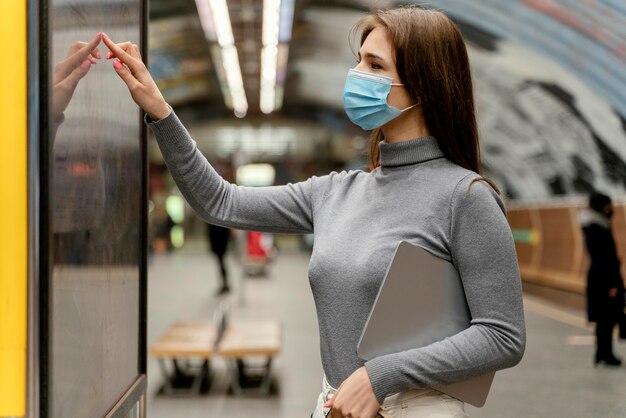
<point x="95" y="202"/>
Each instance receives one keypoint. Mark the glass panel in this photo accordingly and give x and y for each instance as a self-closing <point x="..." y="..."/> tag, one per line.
<point x="95" y="200"/>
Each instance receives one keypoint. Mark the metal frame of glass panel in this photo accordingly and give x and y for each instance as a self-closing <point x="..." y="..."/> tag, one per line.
<point x="35" y="273"/>
<point x="132" y="402"/>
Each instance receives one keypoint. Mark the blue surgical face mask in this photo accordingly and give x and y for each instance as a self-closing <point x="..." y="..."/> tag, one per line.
<point x="365" y="99"/>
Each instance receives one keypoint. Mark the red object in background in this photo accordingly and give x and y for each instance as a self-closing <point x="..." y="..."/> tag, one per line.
<point x="259" y="252"/>
<point x="255" y="247"/>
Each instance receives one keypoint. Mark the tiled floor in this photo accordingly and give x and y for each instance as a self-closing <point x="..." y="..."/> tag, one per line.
<point x="555" y="378"/>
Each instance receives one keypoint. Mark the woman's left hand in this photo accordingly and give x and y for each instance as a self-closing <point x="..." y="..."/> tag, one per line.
<point x="355" y="398"/>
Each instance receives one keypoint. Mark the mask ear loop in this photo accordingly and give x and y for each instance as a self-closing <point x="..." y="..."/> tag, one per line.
<point x="419" y="103"/>
<point x="410" y="107"/>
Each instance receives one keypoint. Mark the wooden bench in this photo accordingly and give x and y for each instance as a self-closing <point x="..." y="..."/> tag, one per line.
<point x="243" y="340"/>
<point x="185" y="341"/>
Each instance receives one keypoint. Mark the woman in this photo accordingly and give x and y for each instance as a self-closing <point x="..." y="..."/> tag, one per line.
<point x="605" y="287"/>
<point x="412" y="85"/>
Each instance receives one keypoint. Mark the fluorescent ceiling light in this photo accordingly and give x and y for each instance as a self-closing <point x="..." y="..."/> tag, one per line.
<point x="271" y="20"/>
<point x="206" y="19"/>
<point x="221" y="22"/>
<point x="269" y="59"/>
<point x="256" y="175"/>
<point x="232" y="70"/>
<point x="216" y="24"/>
<point x="269" y="54"/>
<point x="277" y="26"/>
<point x="281" y="69"/>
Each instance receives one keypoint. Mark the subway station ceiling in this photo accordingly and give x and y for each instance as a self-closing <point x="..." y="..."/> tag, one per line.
<point x="550" y="78"/>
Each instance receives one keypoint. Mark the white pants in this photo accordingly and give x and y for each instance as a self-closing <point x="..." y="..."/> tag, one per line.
<point x="418" y="403"/>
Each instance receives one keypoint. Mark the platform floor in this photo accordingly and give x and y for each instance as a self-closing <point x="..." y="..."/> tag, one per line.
<point x="555" y="379"/>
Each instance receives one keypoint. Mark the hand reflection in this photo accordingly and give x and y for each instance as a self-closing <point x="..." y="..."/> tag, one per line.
<point x="67" y="73"/>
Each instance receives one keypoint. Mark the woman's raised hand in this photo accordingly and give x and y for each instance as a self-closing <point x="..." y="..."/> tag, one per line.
<point x="133" y="72"/>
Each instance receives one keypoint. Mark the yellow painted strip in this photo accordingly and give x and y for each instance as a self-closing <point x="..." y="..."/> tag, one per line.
<point x="13" y="208"/>
<point x="580" y="340"/>
<point x="550" y="311"/>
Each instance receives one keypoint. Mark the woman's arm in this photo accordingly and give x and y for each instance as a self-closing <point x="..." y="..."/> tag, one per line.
<point x="483" y="252"/>
<point x="272" y="209"/>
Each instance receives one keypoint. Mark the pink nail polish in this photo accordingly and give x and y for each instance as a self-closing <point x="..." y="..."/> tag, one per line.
<point x="105" y="35"/>
<point x="86" y="64"/>
<point x="117" y="65"/>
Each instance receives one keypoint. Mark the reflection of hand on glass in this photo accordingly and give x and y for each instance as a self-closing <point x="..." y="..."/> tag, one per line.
<point x="141" y="85"/>
<point x="80" y="57"/>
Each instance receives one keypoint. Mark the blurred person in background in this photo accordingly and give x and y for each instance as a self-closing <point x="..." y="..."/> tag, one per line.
<point x="162" y="224"/>
<point x="218" y="238"/>
<point x="605" y="287"/>
<point x="412" y="86"/>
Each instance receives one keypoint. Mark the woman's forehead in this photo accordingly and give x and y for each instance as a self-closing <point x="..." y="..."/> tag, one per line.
<point x="377" y="43"/>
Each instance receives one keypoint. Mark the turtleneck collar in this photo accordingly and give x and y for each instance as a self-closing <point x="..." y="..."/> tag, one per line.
<point x="414" y="151"/>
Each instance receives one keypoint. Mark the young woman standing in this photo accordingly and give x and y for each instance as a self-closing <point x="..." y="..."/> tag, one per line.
<point x="412" y="86"/>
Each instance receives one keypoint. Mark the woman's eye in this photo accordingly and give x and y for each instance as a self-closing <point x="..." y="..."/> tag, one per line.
<point x="376" y="66"/>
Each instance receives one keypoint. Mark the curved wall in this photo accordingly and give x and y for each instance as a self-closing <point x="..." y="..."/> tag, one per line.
<point x="550" y="244"/>
<point x="587" y="37"/>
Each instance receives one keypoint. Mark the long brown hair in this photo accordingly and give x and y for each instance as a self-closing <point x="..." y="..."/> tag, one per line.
<point x="432" y="63"/>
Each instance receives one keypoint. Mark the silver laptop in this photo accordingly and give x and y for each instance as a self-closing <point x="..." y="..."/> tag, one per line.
<point x="421" y="301"/>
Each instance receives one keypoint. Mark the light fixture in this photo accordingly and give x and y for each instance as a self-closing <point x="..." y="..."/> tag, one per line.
<point x="206" y="20"/>
<point x="221" y="22"/>
<point x="230" y="60"/>
<point x="269" y="56"/>
<point x="277" y="24"/>
<point x="271" y="20"/>
<point x="256" y="175"/>
<point x="215" y="21"/>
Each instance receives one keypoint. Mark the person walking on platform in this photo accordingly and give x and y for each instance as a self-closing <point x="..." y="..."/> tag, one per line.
<point x="605" y="287"/>
<point x="218" y="237"/>
<point x="412" y="86"/>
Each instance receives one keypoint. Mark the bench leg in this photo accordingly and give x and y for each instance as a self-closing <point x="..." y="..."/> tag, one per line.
<point x="197" y="381"/>
<point x="167" y="385"/>
<point x="267" y="378"/>
<point x="234" y="367"/>
<point x="238" y="371"/>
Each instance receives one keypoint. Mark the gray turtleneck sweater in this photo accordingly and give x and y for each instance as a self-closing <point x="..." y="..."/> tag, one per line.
<point x="358" y="218"/>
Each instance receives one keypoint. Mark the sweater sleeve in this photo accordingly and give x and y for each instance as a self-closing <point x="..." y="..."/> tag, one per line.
<point x="483" y="252"/>
<point x="286" y="209"/>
